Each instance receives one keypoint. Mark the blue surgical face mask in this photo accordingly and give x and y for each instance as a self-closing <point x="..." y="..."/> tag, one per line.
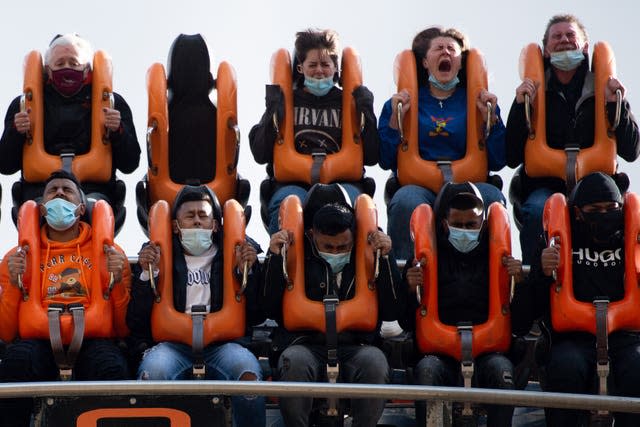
<point x="567" y="60"/>
<point x="444" y="86"/>
<point x="61" y="214"/>
<point x="196" y="241"/>
<point x="464" y="240"/>
<point x="318" y="87"/>
<point x="336" y="261"/>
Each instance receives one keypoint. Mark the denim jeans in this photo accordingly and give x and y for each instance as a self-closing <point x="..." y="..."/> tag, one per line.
<point x="406" y="199"/>
<point x="492" y="370"/>
<point x="32" y="360"/>
<point x="281" y="193"/>
<point x="571" y="368"/>
<point x="227" y="362"/>
<point x="358" y="364"/>
<point x="532" y="222"/>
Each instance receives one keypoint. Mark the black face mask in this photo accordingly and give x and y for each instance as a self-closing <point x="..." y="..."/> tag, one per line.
<point x="604" y="227"/>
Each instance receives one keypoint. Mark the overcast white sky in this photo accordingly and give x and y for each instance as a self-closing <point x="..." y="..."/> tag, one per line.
<point x="246" y="33"/>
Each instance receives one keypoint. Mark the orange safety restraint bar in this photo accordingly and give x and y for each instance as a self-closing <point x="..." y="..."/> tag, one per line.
<point x="94" y="166"/>
<point x="567" y="313"/>
<point x="228" y="323"/>
<point x="347" y="164"/>
<point x="357" y="314"/>
<point x="542" y="161"/>
<point x="435" y="337"/>
<point x="412" y="168"/>
<point x="227" y="142"/>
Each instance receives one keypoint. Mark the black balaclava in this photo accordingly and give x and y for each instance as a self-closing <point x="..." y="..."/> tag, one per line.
<point x="601" y="227"/>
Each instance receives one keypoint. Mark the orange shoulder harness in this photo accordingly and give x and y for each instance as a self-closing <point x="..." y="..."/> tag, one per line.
<point x="94" y="166"/>
<point x="435" y="337"/>
<point x="567" y="313"/>
<point x="227" y="142"/>
<point x="542" y="161"/>
<point x="168" y="324"/>
<point x="345" y="165"/>
<point x="359" y="313"/>
<point x="412" y="168"/>
<point x="99" y="319"/>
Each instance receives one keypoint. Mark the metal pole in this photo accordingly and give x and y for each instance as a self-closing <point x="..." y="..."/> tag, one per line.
<point x="457" y="394"/>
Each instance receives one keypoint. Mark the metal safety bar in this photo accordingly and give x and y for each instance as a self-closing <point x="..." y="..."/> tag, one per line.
<point x="340" y="390"/>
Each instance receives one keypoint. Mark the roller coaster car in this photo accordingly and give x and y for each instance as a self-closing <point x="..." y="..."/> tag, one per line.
<point x="290" y="166"/>
<point x="412" y="168"/>
<point x="91" y="168"/>
<point x="571" y="163"/>
<point x="190" y="141"/>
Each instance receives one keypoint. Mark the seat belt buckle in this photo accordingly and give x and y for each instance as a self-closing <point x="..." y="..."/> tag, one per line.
<point x="75" y="306"/>
<point x="198" y="371"/>
<point x="332" y="373"/>
<point x="330" y="300"/>
<point x="56" y="306"/>
<point x="198" y="310"/>
<point x="65" y="374"/>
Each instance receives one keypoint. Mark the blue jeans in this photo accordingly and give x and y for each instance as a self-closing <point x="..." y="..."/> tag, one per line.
<point x="532" y="222"/>
<point x="571" y="368"/>
<point x="32" y="360"/>
<point x="358" y="364"/>
<point x="492" y="370"/>
<point x="406" y="199"/>
<point x="227" y="362"/>
<point x="281" y="193"/>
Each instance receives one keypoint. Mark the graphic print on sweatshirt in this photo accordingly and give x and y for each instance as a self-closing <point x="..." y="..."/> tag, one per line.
<point x="317" y="129"/>
<point x="66" y="278"/>
<point x="439" y="126"/>
<point x="598" y="272"/>
<point x="199" y="279"/>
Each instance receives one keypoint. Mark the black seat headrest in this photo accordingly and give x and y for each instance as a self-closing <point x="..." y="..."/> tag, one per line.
<point x="188" y="67"/>
<point x="320" y="195"/>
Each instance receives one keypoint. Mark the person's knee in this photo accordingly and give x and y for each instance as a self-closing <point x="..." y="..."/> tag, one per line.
<point x="406" y="199"/>
<point x="296" y="364"/>
<point x="24" y="362"/>
<point x="500" y="373"/>
<point x="564" y="375"/>
<point x="373" y="366"/>
<point x="429" y="370"/>
<point x="153" y="365"/>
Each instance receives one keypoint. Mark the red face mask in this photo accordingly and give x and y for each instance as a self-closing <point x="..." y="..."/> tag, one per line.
<point x="67" y="81"/>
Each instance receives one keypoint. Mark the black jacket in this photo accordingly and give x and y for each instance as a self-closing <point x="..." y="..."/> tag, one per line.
<point x="142" y="298"/>
<point x="319" y="281"/>
<point x="463" y="286"/>
<point x="67" y="125"/>
<point x="570" y="115"/>
<point x="263" y="135"/>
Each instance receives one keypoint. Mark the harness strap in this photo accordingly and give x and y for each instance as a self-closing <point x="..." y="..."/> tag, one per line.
<point x="333" y="369"/>
<point x="316" y="166"/>
<point x="572" y="160"/>
<point x="602" y="350"/>
<point x="65" y="359"/>
<point x="198" y="313"/>
<point x="465" y="329"/>
<point x="445" y="169"/>
<point x="67" y="159"/>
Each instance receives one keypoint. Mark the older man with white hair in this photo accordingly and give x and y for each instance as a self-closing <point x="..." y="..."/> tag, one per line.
<point x="67" y="119"/>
